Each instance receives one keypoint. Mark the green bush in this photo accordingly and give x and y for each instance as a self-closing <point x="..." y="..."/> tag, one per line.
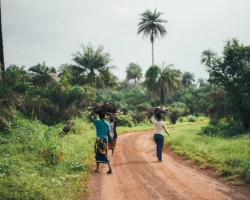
<point x="181" y="119"/>
<point x="224" y="127"/>
<point x="126" y="120"/>
<point x="49" y="147"/>
<point x="191" y="118"/>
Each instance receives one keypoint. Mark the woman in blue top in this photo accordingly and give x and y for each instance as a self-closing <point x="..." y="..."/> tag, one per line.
<point x="101" y="144"/>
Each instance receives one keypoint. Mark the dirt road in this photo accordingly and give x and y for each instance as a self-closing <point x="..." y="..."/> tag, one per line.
<point x="138" y="175"/>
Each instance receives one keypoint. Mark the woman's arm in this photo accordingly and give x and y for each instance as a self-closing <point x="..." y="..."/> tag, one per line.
<point x="153" y="119"/>
<point x="91" y="118"/>
<point x="166" y="130"/>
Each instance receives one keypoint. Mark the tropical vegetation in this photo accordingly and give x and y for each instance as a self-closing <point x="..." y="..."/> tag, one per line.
<point x="210" y="119"/>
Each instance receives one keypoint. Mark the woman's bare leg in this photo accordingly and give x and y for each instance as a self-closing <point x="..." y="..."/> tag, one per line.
<point x="97" y="167"/>
<point x="110" y="169"/>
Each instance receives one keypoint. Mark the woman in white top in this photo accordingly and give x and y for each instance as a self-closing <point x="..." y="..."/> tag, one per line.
<point x="159" y="128"/>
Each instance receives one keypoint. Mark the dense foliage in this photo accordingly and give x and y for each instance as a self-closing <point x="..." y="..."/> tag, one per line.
<point x="231" y="74"/>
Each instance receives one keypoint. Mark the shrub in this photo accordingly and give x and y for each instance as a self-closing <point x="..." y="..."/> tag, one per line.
<point x="175" y="111"/>
<point x="191" y="118"/>
<point x="126" y="120"/>
<point x="226" y="127"/>
<point x="49" y="148"/>
<point x="174" y="115"/>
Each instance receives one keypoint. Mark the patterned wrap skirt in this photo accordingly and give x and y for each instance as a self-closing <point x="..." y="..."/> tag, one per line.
<point x="101" y="147"/>
<point x="112" y="144"/>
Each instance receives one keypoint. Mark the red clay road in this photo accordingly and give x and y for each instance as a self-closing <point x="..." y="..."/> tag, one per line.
<point x="138" y="175"/>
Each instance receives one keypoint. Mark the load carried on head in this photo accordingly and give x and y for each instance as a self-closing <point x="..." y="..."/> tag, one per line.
<point x="106" y="108"/>
<point x="150" y="111"/>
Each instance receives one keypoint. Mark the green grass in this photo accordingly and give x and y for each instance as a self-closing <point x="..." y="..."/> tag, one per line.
<point x="148" y="125"/>
<point x="37" y="163"/>
<point x="228" y="156"/>
<point x="141" y="127"/>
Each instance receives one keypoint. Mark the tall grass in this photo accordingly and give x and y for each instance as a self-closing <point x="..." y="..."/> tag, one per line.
<point x="36" y="163"/>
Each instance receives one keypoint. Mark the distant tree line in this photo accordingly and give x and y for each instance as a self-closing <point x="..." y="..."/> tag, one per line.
<point x="56" y="95"/>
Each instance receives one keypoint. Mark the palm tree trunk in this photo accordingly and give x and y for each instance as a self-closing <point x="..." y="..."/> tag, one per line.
<point x="1" y="44"/>
<point x="152" y="53"/>
<point x="92" y="78"/>
<point x="162" y="96"/>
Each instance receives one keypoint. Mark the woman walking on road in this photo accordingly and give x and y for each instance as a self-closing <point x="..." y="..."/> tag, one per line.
<point x="113" y="134"/>
<point x="159" y="128"/>
<point x="101" y="144"/>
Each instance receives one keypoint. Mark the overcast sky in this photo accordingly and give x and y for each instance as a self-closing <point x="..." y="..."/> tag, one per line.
<point x="52" y="30"/>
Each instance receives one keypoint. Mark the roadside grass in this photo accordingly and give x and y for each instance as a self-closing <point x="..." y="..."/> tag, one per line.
<point x="140" y="127"/>
<point x="147" y="125"/>
<point x="228" y="156"/>
<point x="37" y="163"/>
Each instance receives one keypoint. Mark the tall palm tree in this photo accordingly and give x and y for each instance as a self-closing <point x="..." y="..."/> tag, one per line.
<point x="187" y="79"/>
<point x="42" y="75"/>
<point x="92" y="62"/>
<point x="134" y="72"/>
<point x="2" y="67"/>
<point x="164" y="80"/>
<point x="151" y="25"/>
<point x="207" y="56"/>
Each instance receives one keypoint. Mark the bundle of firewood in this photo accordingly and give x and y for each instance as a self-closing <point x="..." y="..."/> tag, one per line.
<point x="68" y="127"/>
<point x="106" y="108"/>
<point x="150" y="111"/>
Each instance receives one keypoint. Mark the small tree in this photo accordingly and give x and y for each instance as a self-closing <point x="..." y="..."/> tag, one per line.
<point x="162" y="80"/>
<point x="42" y="75"/>
<point x="207" y="56"/>
<point x="231" y="72"/>
<point x="176" y="109"/>
<point x="188" y="79"/>
<point x="134" y="72"/>
<point x="92" y="63"/>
